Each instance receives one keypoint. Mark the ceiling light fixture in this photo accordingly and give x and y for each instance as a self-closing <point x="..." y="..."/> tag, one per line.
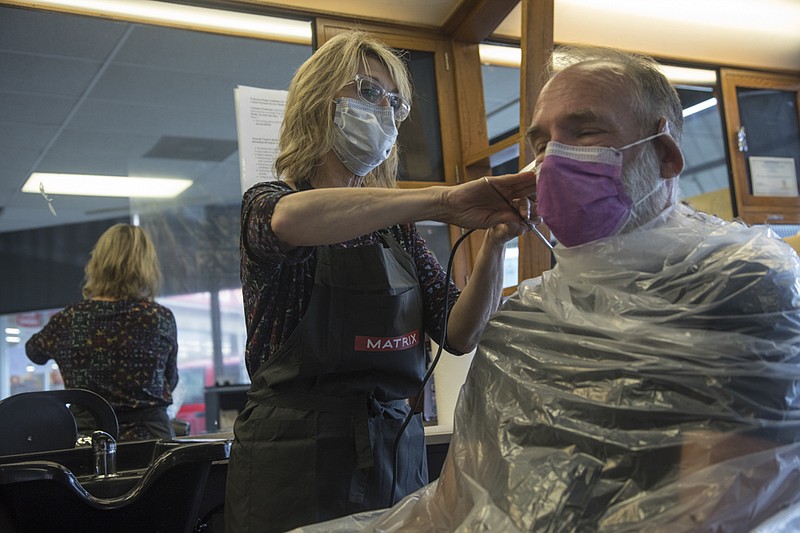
<point x="689" y="76"/>
<point x="117" y="186"/>
<point x="501" y="56"/>
<point x="184" y="16"/>
<point x="696" y="108"/>
<point x="511" y="56"/>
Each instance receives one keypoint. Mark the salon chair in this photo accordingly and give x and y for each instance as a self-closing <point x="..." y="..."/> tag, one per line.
<point x="42" y="421"/>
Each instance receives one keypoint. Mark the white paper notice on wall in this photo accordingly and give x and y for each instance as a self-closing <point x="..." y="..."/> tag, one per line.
<point x="259" y="113"/>
<point x="773" y="176"/>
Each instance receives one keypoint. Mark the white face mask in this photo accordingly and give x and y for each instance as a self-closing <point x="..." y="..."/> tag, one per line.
<point x="364" y="134"/>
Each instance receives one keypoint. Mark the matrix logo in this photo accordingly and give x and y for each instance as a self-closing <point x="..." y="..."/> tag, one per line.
<point x="386" y="344"/>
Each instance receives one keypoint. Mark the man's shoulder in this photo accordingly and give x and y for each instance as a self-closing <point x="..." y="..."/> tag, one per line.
<point x="761" y="270"/>
<point x="755" y="245"/>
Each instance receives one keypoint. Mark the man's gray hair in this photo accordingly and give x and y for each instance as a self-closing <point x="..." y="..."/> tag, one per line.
<point x="651" y="93"/>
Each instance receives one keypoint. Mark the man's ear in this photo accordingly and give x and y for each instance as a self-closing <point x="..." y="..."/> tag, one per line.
<point x="670" y="157"/>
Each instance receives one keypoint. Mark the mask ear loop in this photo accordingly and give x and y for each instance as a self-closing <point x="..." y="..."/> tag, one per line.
<point x="664" y="131"/>
<point x="640" y="141"/>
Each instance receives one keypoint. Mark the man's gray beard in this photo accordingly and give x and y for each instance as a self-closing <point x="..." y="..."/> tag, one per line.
<point x="641" y="177"/>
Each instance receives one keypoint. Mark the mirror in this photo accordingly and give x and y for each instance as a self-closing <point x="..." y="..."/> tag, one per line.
<point x="84" y="95"/>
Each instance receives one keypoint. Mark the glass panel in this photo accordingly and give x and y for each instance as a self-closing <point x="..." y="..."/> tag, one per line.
<point x="507" y="162"/>
<point x="87" y="95"/>
<point x="17" y="372"/>
<point x="437" y="236"/>
<point x="501" y="99"/>
<point x="196" y="368"/>
<point x="704" y="183"/>
<point x="195" y="356"/>
<point x="511" y="264"/>
<point x="785" y="230"/>
<point x="420" y="134"/>
<point x="770" y="121"/>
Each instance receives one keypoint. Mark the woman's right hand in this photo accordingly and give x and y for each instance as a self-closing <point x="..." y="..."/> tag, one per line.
<point x="337" y="214"/>
<point x="479" y="204"/>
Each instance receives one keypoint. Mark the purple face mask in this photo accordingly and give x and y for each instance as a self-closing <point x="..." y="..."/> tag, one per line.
<point x="579" y="193"/>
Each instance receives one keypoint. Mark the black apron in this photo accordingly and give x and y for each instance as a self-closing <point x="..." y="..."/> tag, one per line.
<point x="315" y="439"/>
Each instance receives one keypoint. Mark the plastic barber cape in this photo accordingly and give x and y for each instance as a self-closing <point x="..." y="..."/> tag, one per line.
<point x="650" y="381"/>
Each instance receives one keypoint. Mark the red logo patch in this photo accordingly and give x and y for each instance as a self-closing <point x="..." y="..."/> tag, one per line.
<point x="386" y="344"/>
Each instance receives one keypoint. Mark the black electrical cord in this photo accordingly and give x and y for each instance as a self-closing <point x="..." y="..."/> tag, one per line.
<point x="429" y="373"/>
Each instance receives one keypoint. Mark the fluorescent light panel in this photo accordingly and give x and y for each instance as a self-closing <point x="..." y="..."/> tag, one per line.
<point x="696" y="108"/>
<point x="117" y="186"/>
<point x="184" y="16"/>
<point x="689" y="76"/>
<point x="502" y="56"/>
<point x="511" y="56"/>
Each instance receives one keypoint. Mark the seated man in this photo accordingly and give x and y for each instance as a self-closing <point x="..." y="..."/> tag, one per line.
<point x="652" y="378"/>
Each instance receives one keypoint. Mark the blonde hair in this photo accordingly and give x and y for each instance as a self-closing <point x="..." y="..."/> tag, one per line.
<point x="123" y="265"/>
<point x="307" y="129"/>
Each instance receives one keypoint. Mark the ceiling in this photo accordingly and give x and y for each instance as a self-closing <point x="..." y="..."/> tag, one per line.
<point x="762" y="34"/>
<point x="92" y="96"/>
<point x="98" y="96"/>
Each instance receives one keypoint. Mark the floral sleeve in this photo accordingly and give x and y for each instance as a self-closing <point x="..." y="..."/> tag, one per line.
<point x="171" y="368"/>
<point x="44" y="345"/>
<point x="258" y="240"/>
<point x="437" y="290"/>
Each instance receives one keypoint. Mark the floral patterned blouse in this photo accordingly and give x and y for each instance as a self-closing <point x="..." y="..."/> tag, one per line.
<point x="276" y="285"/>
<point x="125" y="351"/>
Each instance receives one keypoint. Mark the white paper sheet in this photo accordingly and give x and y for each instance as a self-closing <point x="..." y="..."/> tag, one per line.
<point x="259" y="113"/>
<point x="773" y="176"/>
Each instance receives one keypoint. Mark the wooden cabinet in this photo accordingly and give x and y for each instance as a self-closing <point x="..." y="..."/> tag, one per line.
<point x="763" y="135"/>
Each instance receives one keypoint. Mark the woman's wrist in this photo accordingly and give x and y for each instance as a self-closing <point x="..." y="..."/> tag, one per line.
<point x="497" y="237"/>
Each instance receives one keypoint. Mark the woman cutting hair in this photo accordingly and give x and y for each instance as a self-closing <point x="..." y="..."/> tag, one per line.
<point x="339" y="291"/>
<point x="118" y="342"/>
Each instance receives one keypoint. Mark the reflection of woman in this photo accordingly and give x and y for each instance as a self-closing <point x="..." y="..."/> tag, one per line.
<point x="118" y="342"/>
<point x="339" y="291"/>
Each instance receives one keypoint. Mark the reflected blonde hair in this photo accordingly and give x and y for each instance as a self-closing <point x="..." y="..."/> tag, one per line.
<point x="123" y="265"/>
<point x="307" y="128"/>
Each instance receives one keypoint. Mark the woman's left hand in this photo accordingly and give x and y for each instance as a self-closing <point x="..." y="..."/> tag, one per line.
<point x="504" y="232"/>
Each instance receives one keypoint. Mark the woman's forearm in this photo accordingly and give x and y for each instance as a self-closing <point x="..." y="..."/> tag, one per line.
<point x="337" y="214"/>
<point x="480" y="298"/>
<point x="331" y="215"/>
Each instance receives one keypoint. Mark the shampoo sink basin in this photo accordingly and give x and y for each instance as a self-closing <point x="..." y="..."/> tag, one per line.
<point x="158" y="486"/>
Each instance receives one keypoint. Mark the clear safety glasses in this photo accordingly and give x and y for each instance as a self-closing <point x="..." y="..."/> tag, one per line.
<point x="370" y="91"/>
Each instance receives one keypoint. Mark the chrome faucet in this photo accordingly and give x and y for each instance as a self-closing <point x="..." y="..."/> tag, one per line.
<point x="105" y="454"/>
